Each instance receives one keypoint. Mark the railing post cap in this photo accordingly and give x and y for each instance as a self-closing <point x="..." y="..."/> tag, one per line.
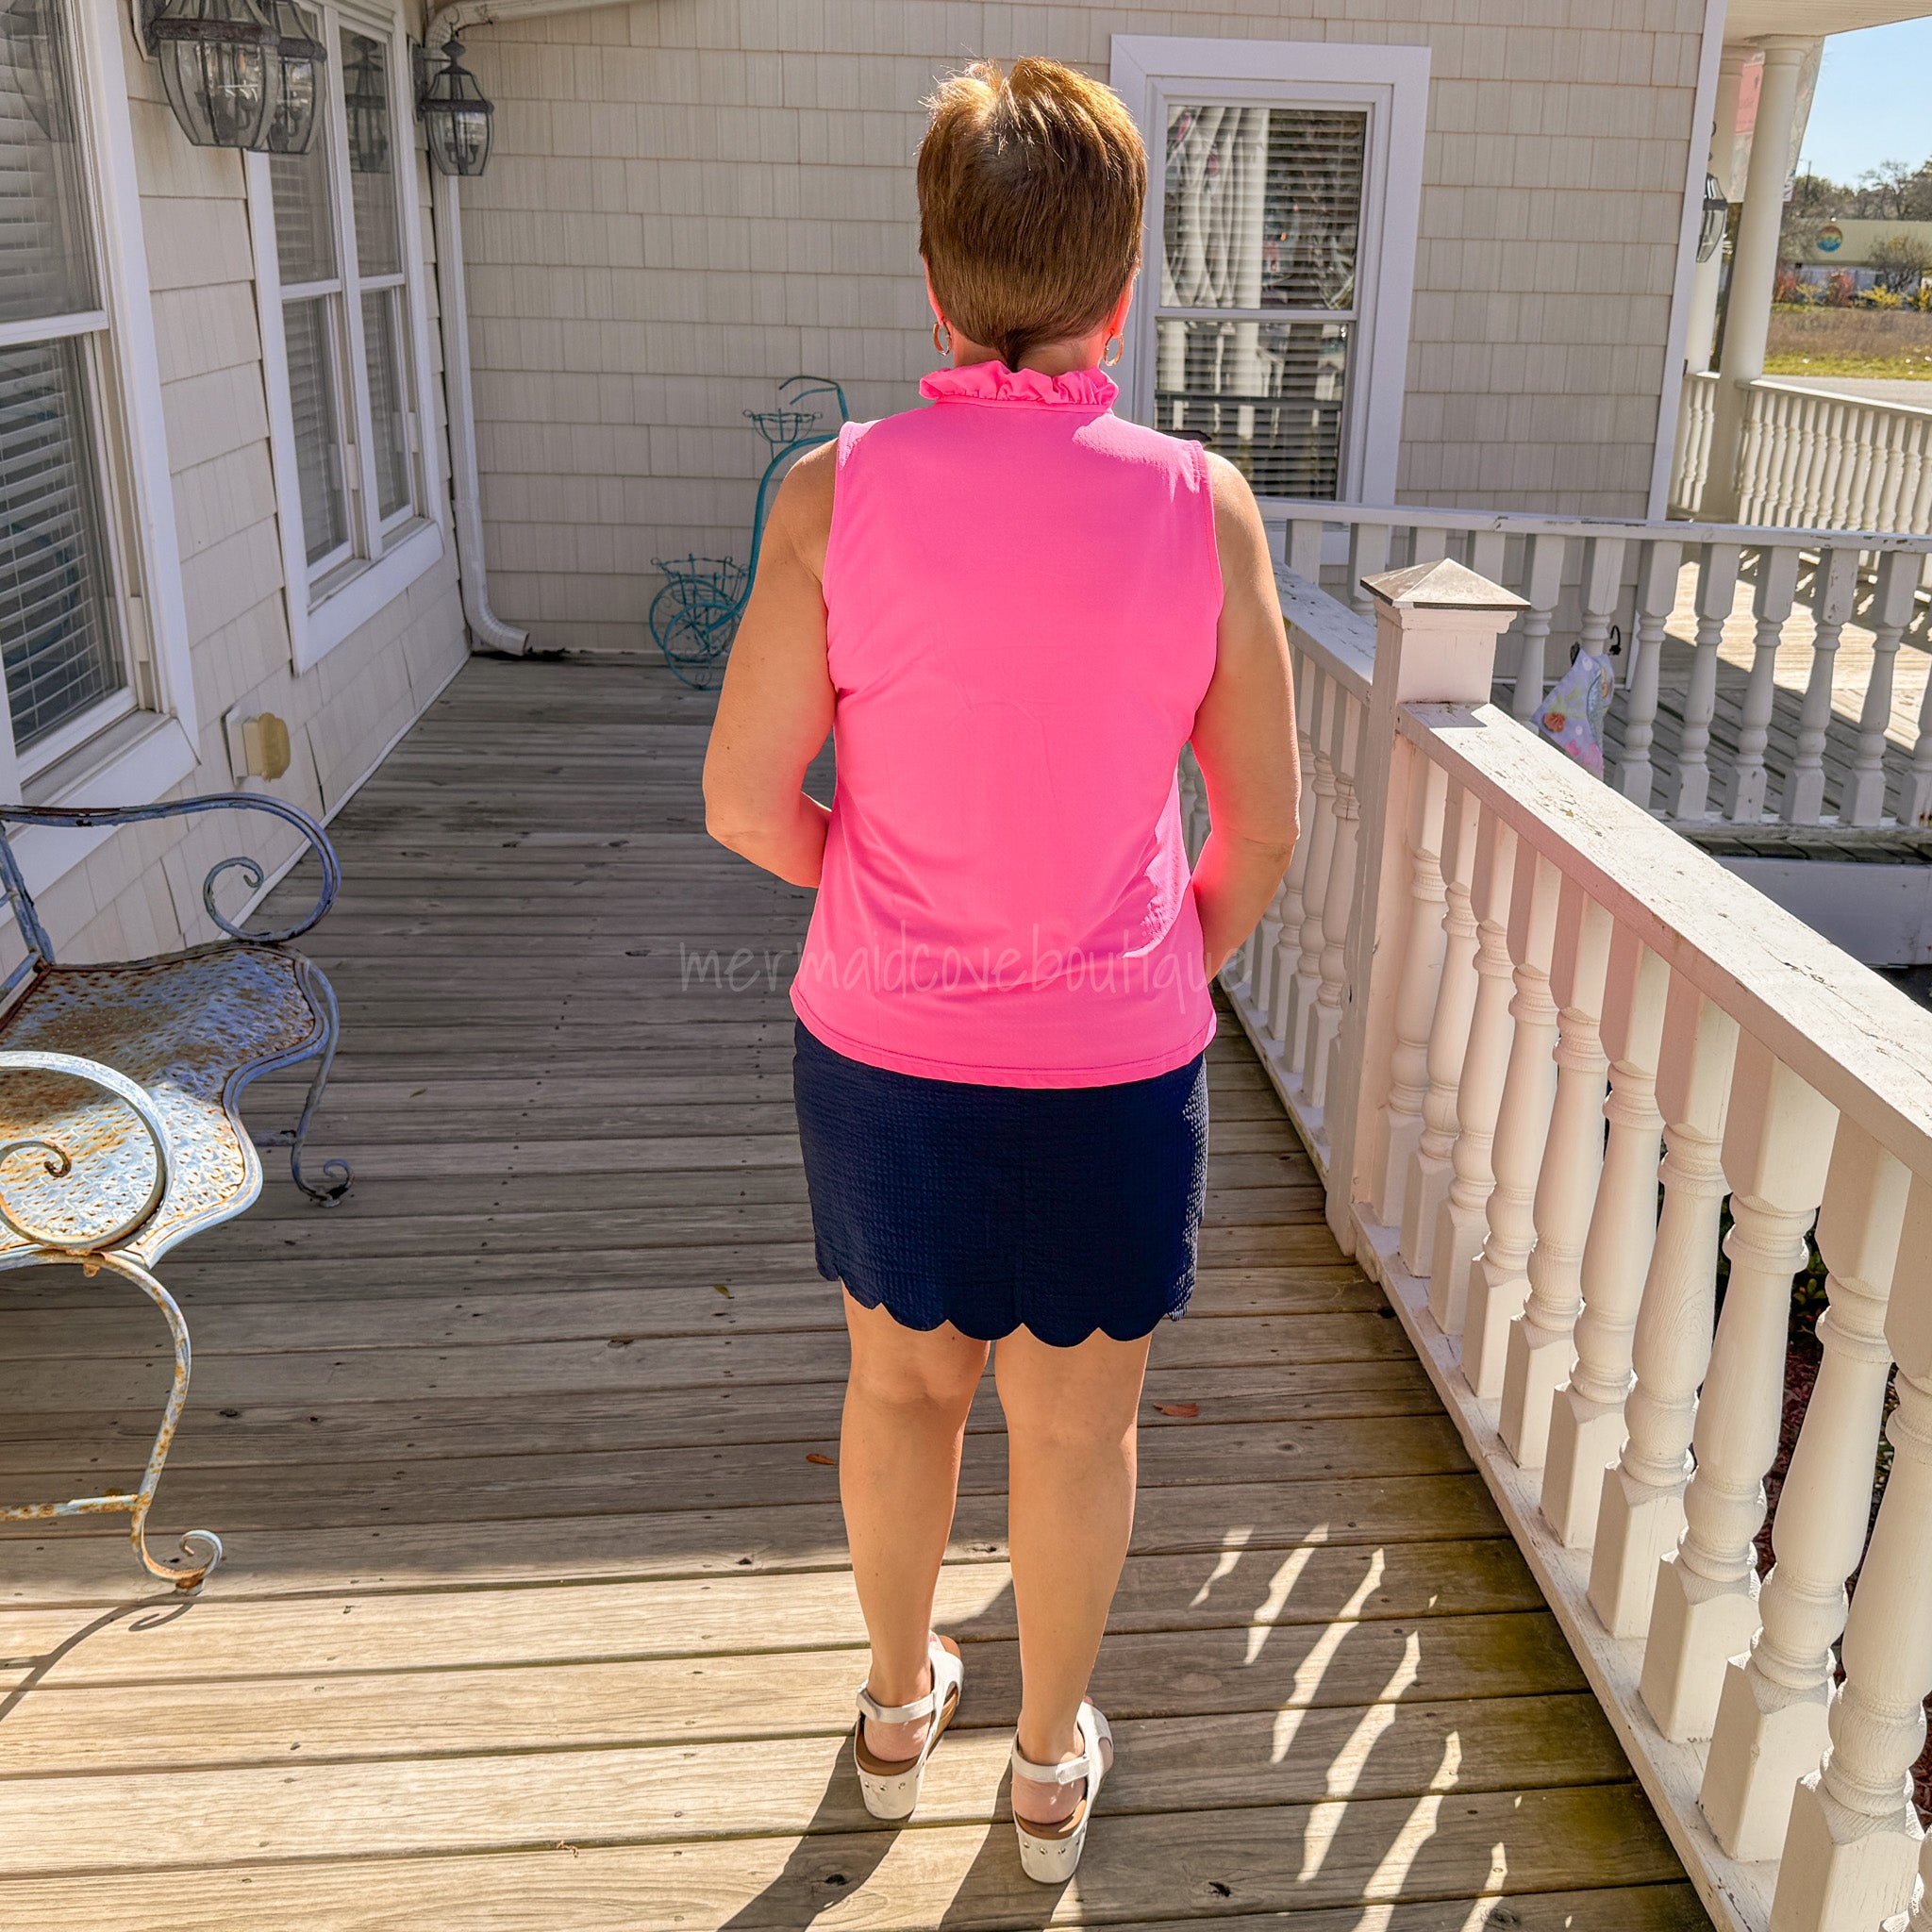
<point x="1444" y="584"/>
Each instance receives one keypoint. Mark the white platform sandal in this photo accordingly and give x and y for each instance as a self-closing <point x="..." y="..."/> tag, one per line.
<point x="891" y="1787"/>
<point x="1050" y="1854"/>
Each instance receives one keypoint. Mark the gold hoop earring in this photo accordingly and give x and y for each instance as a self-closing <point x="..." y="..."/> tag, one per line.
<point x="1116" y="347"/>
<point x="939" y="329"/>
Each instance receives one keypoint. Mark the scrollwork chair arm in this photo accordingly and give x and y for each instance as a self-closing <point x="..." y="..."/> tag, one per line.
<point x="87" y="817"/>
<point x="60" y="1160"/>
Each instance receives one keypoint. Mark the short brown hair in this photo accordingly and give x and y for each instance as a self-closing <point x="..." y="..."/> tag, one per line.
<point x="1031" y="186"/>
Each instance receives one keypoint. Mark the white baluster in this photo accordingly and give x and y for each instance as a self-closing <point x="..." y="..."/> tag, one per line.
<point x="1656" y="597"/>
<point x="1854" y="1837"/>
<point x="1717" y="592"/>
<point x="1891" y="609"/>
<point x="1302" y="988"/>
<point x="1777" y="1143"/>
<point x="1910" y="513"/>
<point x="1586" y="1421"/>
<point x="1367" y="557"/>
<point x="1338" y="908"/>
<point x="1776" y="591"/>
<point x="1544" y="589"/>
<point x="1891" y="482"/>
<point x="1264" y="946"/>
<point x="1601" y="591"/>
<point x="1399" y="1129"/>
<point x="1427" y="543"/>
<point x="1919" y="1919"/>
<point x="1771" y="1720"/>
<point x="1834" y="589"/>
<point x="1542" y="1344"/>
<point x="1487" y="550"/>
<point x="1449" y="1029"/>
<point x="1293" y="909"/>
<point x="1642" y="1511"/>
<point x="1915" y="801"/>
<point x="1498" y="1278"/>
<point x="1464" y="1216"/>
<point x="1304" y="535"/>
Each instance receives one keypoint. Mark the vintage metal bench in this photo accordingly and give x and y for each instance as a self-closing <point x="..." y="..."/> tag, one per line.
<point x="121" y="1129"/>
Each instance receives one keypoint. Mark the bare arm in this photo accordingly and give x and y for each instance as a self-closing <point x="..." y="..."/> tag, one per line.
<point x="776" y="706"/>
<point x="1244" y="732"/>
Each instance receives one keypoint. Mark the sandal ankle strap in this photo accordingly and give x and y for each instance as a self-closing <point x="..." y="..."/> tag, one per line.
<point x="920" y="1707"/>
<point x="899" y="1713"/>
<point x="1069" y="1771"/>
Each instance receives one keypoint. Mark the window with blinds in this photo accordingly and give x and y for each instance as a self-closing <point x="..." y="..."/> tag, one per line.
<point x="339" y="243"/>
<point x="1260" y="231"/>
<point x="59" y="631"/>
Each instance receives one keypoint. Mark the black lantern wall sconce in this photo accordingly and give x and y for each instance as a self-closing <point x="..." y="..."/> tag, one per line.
<point x="241" y="73"/>
<point x="454" y="110"/>
<point x="1717" y="211"/>
<point x="298" y="83"/>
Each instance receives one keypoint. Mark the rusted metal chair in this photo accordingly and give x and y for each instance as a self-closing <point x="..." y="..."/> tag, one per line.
<point x="121" y="1129"/>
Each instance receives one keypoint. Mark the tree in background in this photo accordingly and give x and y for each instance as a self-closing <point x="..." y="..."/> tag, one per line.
<point x="1901" y="263"/>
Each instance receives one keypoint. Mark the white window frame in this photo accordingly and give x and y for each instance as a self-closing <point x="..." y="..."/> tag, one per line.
<point x="1391" y="83"/>
<point x="136" y="747"/>
<point x="331" y="600"/>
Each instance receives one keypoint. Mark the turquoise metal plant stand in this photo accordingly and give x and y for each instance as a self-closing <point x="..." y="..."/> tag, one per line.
<point x="695" y="616"/>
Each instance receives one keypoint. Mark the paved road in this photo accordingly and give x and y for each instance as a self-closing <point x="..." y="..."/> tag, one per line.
<point x="1873" y="389"/>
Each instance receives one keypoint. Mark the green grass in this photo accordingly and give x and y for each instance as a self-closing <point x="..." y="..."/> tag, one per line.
<point x="1893" y="367"/>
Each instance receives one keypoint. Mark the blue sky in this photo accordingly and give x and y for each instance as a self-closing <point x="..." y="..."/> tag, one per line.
<point x="1873" y="101"/>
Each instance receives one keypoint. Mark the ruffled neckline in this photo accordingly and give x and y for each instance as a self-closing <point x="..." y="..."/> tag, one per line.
<point x="994" y="382"/>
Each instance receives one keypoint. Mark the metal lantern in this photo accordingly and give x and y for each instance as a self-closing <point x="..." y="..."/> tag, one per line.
<point x="455" y="116"/>
<point x="29" y="36"/>
<point x="1717" y="211"/>
<point x="219" y="60"/>
<point x="298" y="89"/>
<point x="365" y="103"/>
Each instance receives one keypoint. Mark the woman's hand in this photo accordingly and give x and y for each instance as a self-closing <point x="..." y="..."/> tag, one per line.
<point x="1244" y="735"/>
<point x="776" y="708"/>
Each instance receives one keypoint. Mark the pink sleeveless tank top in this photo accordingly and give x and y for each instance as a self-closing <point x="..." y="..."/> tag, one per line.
<point x="1022" y="594"/>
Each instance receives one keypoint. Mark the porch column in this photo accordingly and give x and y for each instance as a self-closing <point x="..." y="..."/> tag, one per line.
<point x="1754" y="267"/>
<point x="1701" y="329"/>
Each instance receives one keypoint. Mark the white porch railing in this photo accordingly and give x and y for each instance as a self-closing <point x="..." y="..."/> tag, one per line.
<point x="1827" y="462"/>
<point x="1810" y="460"/>
<point x="1694" y="738"/>
<point x="1480" y="956"/>
<point x="1690" y="461"/>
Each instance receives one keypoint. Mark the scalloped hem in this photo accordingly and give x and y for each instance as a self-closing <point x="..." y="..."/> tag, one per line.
<point x="970" y="1321"/>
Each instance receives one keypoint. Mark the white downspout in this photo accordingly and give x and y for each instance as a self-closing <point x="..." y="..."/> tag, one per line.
<point x="489" y="631"/>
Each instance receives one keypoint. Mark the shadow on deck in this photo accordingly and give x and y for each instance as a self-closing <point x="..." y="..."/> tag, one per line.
<point x="535" y="1611"/>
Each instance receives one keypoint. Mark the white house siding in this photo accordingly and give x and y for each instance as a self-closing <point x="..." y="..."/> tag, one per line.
<point x="139" y="891"/>
<point x="689" y="199"/>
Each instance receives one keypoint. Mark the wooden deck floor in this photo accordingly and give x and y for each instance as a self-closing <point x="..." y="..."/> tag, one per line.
<point x="536" y="1614"/>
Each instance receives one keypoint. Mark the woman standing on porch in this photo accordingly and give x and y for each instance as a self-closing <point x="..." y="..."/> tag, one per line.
<point x="1012" y="609"/>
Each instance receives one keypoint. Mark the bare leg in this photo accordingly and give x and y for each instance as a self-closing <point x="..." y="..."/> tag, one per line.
<point x="1071" y="1435"/>
<point x="905" y="1408"/>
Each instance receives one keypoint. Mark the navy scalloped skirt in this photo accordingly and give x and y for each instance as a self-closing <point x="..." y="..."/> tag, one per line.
<point x="1060" y="1209"/>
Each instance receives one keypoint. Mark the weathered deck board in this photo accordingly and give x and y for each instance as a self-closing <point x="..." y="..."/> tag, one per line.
<point x="537" y="1613"/>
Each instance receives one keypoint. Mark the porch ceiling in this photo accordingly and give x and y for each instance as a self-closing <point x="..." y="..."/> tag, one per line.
<point x="1748" y="19"/>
